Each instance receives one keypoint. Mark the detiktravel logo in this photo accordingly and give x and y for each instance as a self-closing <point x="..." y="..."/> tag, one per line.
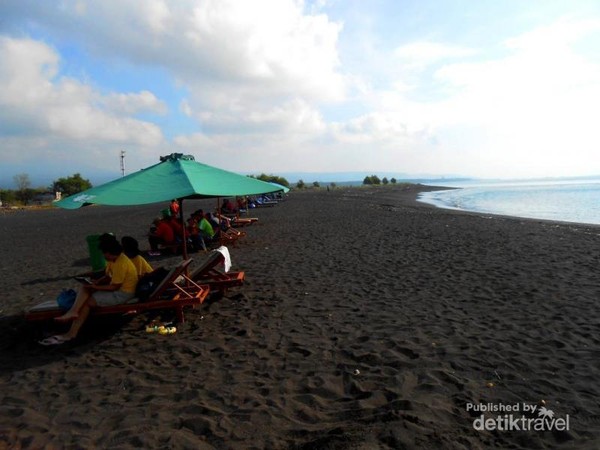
<point x="516" y="417"/>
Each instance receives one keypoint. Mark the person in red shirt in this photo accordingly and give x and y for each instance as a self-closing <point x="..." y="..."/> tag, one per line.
<point x="161" y="233"/>
<point x="177" y="227"/>
<point x="228" y="207"/>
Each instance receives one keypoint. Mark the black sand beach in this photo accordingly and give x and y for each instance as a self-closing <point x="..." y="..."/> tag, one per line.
<point x="367" y="321"/>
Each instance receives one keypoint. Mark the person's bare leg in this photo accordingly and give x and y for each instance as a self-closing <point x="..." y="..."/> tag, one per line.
<point x="83" y="296"/>
<point x="84" y="313"/>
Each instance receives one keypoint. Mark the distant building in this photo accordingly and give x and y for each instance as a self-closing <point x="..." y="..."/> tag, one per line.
<point x="43" y="199"/>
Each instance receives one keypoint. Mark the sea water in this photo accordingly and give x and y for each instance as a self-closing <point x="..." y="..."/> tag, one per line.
<point x="565" y="200"/>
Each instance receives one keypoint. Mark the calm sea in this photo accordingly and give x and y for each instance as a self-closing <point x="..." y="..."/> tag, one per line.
<point x="565" y="200"/>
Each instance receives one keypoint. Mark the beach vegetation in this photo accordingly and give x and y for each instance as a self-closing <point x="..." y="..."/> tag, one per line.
<point x="24" y="196"/>
<point x="300" y="184"/>
<point x="384" y="180"/>
<point x="24" y="192"/>
<point x="393" y="180"/>
<point x="332" y="185"/>
<point x="71" y="185"/>
<point x="370" y="180"/>
<point x="22" y="181"/>
<point x="316" y="184"/>
<point x="7" y="197"/>
<point x="272" y="179"/>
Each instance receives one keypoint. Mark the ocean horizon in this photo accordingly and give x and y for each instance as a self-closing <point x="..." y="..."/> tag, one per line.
<point x="574" y="200"/>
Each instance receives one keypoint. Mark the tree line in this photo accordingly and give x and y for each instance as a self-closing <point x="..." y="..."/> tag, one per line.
<point x="24" y="193"/>
<point x="374" y="179"/>
<point x="369" y="180"/>
<point x="272" y="179"/>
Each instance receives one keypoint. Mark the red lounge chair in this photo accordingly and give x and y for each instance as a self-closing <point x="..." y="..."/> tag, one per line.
<point x="208" y="274"/>
<point x="168" y="295"/>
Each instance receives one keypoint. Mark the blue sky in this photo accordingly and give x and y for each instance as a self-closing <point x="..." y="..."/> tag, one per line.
<point x="492" y="89"/>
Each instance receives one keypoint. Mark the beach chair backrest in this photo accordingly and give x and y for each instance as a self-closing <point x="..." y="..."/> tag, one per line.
<point x="173" y="274"/>
<point x="214" y="259"/>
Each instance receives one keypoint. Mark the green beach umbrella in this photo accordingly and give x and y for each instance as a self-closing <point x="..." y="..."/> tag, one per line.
<point x="280" y="187"/>
<point x="176" y="176"/>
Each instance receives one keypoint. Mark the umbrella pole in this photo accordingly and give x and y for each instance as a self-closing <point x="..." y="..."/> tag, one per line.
<point x="219" y="216"/>
<point x="183" y="227"/>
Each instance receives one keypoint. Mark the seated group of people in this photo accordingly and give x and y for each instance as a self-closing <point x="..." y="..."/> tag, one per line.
<point x="229" y="208"/>
<point x="166" y="231"/>
<point x="125" y="266"/>
<point x="206" y="228"/>
<point x="243" y="203"/>
<point x="201" y="229"/>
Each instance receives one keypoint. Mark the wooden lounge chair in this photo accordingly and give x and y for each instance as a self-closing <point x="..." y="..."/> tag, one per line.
<point x="169" y="294"/>
<point x="230" y="236"/>
<point x="243" y="221"/>
<point x="234" y="220"/>
<point x="218" y="280"/>
<point x="236" y="234"/>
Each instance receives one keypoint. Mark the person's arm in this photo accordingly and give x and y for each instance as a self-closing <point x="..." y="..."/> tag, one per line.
<point x="106" y="283"/>
<point x="108" y="287"/>
<point x="146" y="267"/>
<point x="103" y="280"/>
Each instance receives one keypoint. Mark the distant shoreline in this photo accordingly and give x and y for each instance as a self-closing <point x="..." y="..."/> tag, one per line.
<point x="563" y="202"/>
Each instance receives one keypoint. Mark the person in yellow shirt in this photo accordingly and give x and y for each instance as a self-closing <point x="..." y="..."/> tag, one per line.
<point x="116" y="287"/>
<point x="132" y="250"/>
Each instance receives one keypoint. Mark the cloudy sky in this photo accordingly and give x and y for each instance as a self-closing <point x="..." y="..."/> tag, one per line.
<point x="485" y="88"/>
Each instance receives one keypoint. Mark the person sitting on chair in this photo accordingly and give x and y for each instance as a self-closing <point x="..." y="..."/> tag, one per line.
<point x="242" y="203"/>
<point x="193" y="231"/>
<point x="117" y="287"/>
<point x="177" y="227"/>
<point x="206" y="230"/>
<point x="161" y="233"/>
<point x="132" y="250"/>
<point x="213" y="220"/>
<point x="228" y="207"/>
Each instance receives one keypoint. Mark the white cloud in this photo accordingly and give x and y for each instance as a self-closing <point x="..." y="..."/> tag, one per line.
<point x="27" y="70"/>
<point x="157" y="15"/>
<point x="266" y="64"/>
<point x="535" y="101"/>
<point x="185" y="108"/>
<point x="282" y="64"/>
<point x="266" y="40"/>
<point x="420" y="54"/>
<point x="50" y="114"/>
<point x="295" y="116"/>
<point x="133" y="103"/>
<point x="270" y="43"/>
